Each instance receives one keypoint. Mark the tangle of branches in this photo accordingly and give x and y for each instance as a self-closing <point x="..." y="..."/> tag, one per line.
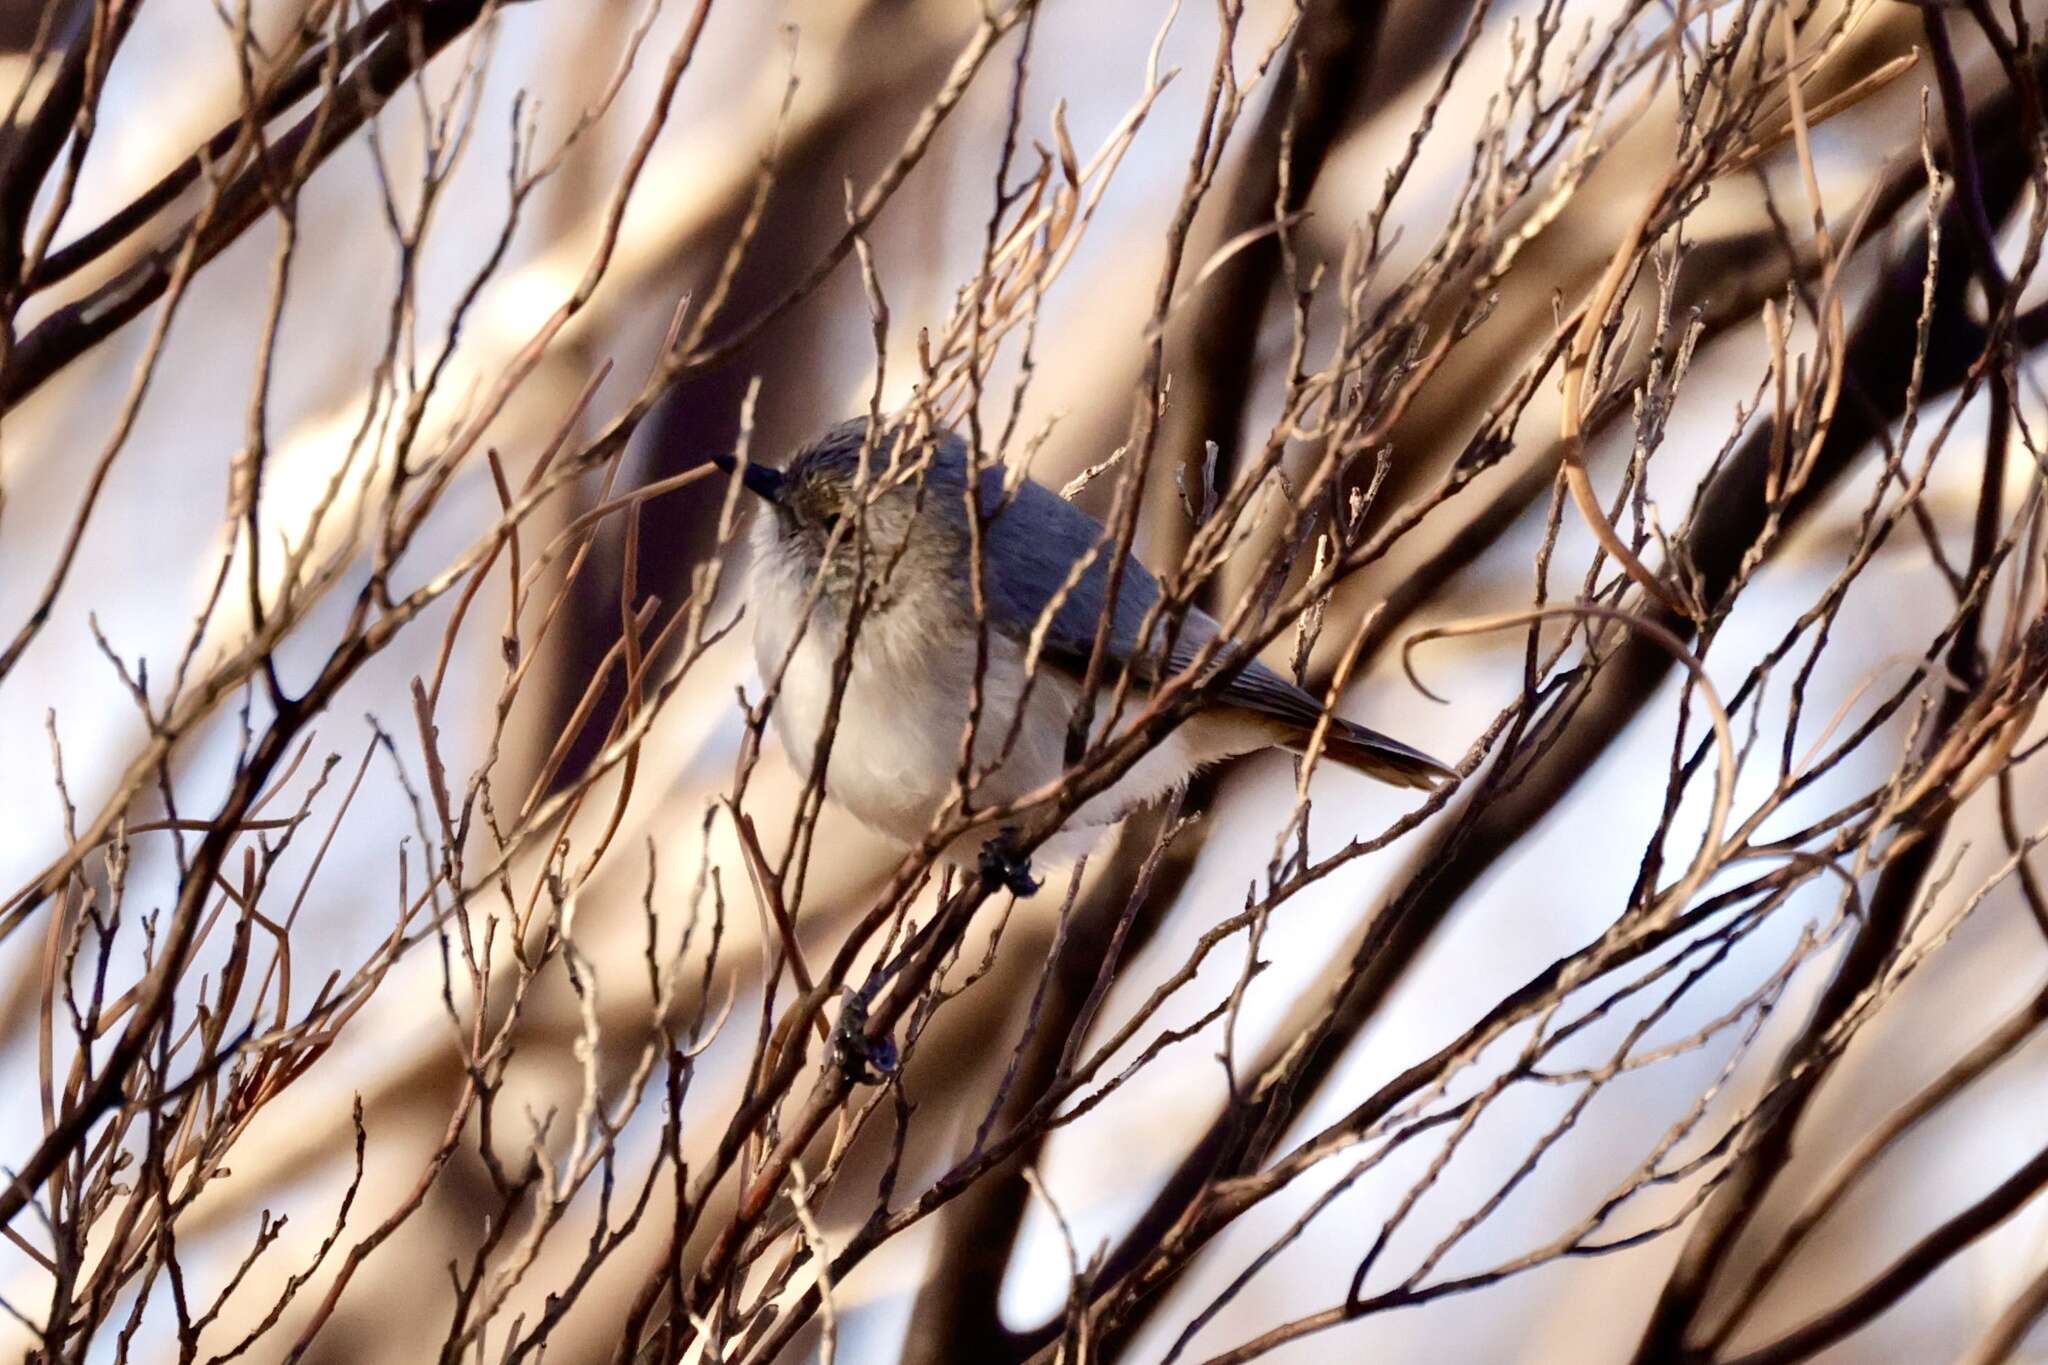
<point x="414" y="948"/>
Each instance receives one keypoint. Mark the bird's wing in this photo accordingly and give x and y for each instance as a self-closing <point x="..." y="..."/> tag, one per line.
<point x="1032" y="549"/>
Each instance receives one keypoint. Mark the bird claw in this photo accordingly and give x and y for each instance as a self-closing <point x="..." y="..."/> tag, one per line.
<point x="861" y="1059"/>
<point x="1003" y="868"/>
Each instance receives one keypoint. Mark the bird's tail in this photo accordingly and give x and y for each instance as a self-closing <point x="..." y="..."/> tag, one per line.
<point x="1377" y="756"/>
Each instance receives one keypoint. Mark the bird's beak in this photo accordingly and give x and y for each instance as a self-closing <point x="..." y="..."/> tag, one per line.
<point x="758" y="478"/>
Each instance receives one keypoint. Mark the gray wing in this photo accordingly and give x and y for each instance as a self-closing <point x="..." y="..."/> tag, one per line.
<point x="1033" y="545"/>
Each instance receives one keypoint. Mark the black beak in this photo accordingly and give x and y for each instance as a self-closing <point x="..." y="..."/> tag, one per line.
<point x="758" y="478"/>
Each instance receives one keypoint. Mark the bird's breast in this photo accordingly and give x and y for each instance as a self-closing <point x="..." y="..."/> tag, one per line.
<point x="896" y="734"/>
<point x="895" y="737"/>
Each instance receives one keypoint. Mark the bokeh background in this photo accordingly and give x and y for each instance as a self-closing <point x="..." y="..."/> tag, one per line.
<point x="855" y="77"/>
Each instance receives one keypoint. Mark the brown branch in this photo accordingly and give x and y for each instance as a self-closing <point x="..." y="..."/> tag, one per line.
<point x="35" y="143"/>
<point x="77" y="327"/>
<point x="1321" y="84"/>
<point x="1732" y="519"/>
<point x="304" y="78"/>
<point x="1928" y="1255"/>
<point x="957" y="1308"/>
<point x="1807" y="1062"/>
<point x="2006" y="1336"/>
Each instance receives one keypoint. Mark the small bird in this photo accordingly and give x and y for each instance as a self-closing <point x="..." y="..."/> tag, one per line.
<point x="896" y="748"/>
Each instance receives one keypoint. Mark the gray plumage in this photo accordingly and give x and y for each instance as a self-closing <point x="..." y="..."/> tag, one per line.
<point x="908" y="679"/>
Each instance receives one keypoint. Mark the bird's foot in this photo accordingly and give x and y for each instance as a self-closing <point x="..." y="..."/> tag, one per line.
<point x="1003" y="868"/>
<point x="861" y="1059"/>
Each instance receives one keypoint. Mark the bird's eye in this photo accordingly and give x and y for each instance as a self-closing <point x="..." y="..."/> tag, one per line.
<point x="828" y="522"/>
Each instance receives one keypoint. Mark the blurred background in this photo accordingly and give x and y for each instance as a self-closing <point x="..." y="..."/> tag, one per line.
<point x="831" y="91"/>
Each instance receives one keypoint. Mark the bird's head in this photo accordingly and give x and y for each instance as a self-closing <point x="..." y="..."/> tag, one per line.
<point x="854" y="508"/>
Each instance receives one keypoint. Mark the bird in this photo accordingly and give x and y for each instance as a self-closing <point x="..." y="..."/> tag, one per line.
<point x="895" y="749"/>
